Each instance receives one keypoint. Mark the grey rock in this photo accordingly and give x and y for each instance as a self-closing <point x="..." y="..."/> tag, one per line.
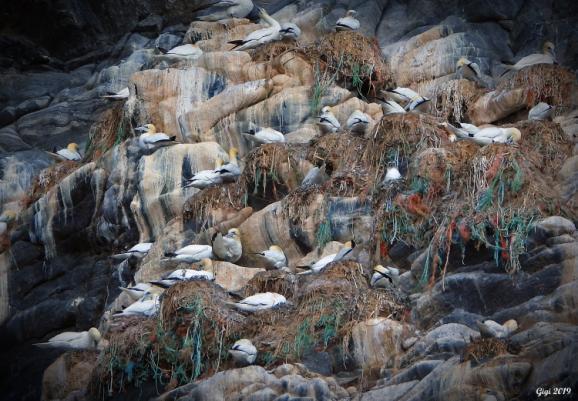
<point x="417" y="372"/>
<point x="388" y="393"/>
<point x="167" y="41"/>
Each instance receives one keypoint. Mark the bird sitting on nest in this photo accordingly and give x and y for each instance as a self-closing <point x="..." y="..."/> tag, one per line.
<point x="206" y="178"/>
<point x="138" y="251"/>
<point x="225" y="9"/>
<point x="264" y="135"/>
<point x="69" y="153"/>
<point x="358" y="122"/>
<point x="469" y="70"/>
<point x="546" y="57"/>
<point x="88" y="340"/>
<point x="136" y="292"/>
<point x="146" y="306"/>
<point x="384" y="277"/>
<point x="327" y="121"/>
<point x="541" y="111"/>
<point x="260" y="301"/>
<point x="243" y="352"/>
<point x="231" y="171"/>
<point x="274" y="256"/>
<point x="181" y="275"/>
<point x="228" y="247"/>
<point x="150" y="139"/>
<point x="318" y="266"/>
<point x="190" y="254"/>
<point x="348" y="22"/>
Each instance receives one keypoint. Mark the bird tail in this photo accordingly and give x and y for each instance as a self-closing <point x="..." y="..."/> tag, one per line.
<point x="305" y="272"/>
<point x="237" y="43"/>
<point x="159" y="284"/>
<point x="43" y="345"/>
<point x="248" y="136"/>
<point x="121" y="256"/>
<point x="507" y="69"/>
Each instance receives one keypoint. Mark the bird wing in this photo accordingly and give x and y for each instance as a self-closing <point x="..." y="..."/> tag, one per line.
<point x="406" y="93"/>
<point x="158" y="137"/>
<point x="348" y="23"/>
<point x="194" y="250"/>
<point x="330" y="119"/>
<point x="474" y="68"/>
<point x="470" y="128"/>
<point x="490" y="133"/>
<point x="143" y="247"/>
<point x="343" y="252"/>
<point x="270" y="136"/>
<point x="67" y="337"/>
<point x="392" y="107"/>
<point x="263" y="299"/>
<point x="68" y="155"/>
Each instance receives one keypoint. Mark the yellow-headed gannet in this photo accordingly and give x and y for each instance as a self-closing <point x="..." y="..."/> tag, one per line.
<point x="335" y="257"/>
<point x="146" y="306"/>
<point x="315" y="176"/>
<point x="492" y="329"/>
<point x="136" y="292"/>
<point x="384" y="277"/>
<point x="327" y="121"/>
<point x="264" y="135"/>
<point x="231" y="171"/>
<point x="191" y="253"/>
<point x="260" y="36"/>
<point x="138" y="251"/>
<point x="120" y="95"/>
<point x="347" y="23"/>
<point x="228" y="247"/>
<point x="541" y="111"/>
<point x="260" y="301"/>
<point x="358" y="122"/>
<point x="69" y="153"/>
<point x="179" y="275"/>
<point x="486" y="136"/>
<point x="274" y="256"/>
<point x="151" y="139"/>
<point x="74" y="340"/>
<point x="401" y="95"/>
<point x="229" y="9"/>
<point x="469" y="70"/>
<point x="205" y="178"/>
<point x="546" y="57"/>
<point x="243" y="352"/>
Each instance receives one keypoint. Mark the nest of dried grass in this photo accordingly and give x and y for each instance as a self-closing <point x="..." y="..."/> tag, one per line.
<point x="483" y="349"/>
<point x="48" y="178"/>
<point x="451" y="100"/>
<point x="272" y="281"/>
<point x="201" y="205"/>
<point x="548" y="83"/>
<point x="111" y="130"/>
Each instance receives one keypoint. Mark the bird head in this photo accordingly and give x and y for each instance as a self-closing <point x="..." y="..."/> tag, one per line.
<point x="325" y="110"/>
<point x="276" y="248"/>
<point x="380" y="269"/>
<point x="206" y="263"/>
<point x="515" y="134"/>
<point x="147" y="128"/>
<point x="234" y="233"/>
<point x="462" y="61"/>
<point x="95" y="334"/>
<point x="351" y="13"/>
<point x="548" y="48"/>
<point x="290" y="30"/>
<point x="73" y="147"/>
<point x="350" y="244"/>
<point x="8" y="216"/>
<point x="233" y="153"/>
<point x="218" y="162"/>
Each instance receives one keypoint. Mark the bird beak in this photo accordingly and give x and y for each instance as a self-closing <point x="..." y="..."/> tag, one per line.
<point x="141" y="129"/>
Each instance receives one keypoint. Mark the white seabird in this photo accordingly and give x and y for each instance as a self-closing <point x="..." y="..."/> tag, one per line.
<point x="260" y="36"/>
<point x="243" y="352"/>
<point x="391" y="107"/>
<point x="384" y="276"/>
<point x="120" y="95"/>
<point x="180" y="275"/>
<point x="191" y="253"/>
<point x="327" y="121"/>
<point x="136" y="292"/>
<point x="541" y="111"/>
<point x="348" y="23"/>
<point x="229" y="9"/>
<point x="264" y="135"/>
<point x="274" y="256"/>
<point x="358" y="122"/>
<point x="228" y="247"/>
<point x="151" y="139"/>
<point x="260" y="301"/>
<point x="146" y="306"/>
<point x="335" y="257"/>
<point x="69" y="153"/>
<point x="469" y="70"/>
<point x="187" y="50"/>
<point x="205" y="178"/>
<point x="489" y="135"/>
<point x="546" y="57"/>
<point x="74" y="340"/>
<point x="392" y="174"/>
<point x="315" y="176"/>
<point x="138" y="251"/>
<point x="231" y="171"/>
<point x="401" y="94"/>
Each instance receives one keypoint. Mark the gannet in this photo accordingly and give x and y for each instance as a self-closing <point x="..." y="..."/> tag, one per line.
<point x="347" y="23"/>
<point x="392" y="174"/>
<point x="327" y="121"/>
<point x="260" y="36"/>
<point x="274" y="256"/>
<point x="358" y="122"/>
<point x="486" y="136"/>
<point x="146" y="306"/>
<point x="384" y="276"/>
<point x="151" y="139"/>
<point x="546" y="57"/>
<point x="469" y="128"/>
<point x="136" y="292"/>
<point x="120" y="95"/>
<point x="492" y="329"/>
<point x="243" y="352"/>
<point x="69" y="153"/>
<point x="469" y="69"/>
<point x="289" y="30"/>
<point x="417" y="103"/>
<point x="541" y="111"/>
<point x="187" y="50"/>
<point x="230" y="9"/>
<point x="231" y="171"/>
<point x="74" y="340"/>
<point x="391" y="107"/>
<point x="206" y="178"/>
<point x="191" y="253"/>
<point x="315" y="176"/>
<point x="260" y="301"/>
<point x="401" y="95"/>
<point x="228" y="247"/>
<point x="179" y="275"/>
<point x="138" y="251"/>
<point x="264" y="135"/>
<point x="335" y="257"/>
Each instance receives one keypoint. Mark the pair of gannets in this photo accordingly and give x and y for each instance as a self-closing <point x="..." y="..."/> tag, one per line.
<point x="315" y="176"/>
<point x="191" y="253"/>
<point x="546" y="57"/>
<point x="69" y="153"/>
<point x="243" y="352"/>
<point x="384" y="276"/>
<point x="409" y="97"/>
<point x="274" y="256"/>
<point x="260" y="301"/>
<point x="150" y="139"/>
<point x="264" y="135"/>
<point x="180" y="275"/>
<point x="274" y="32"/>
<point x="318" y="266"/>
<point x="348" y="23"/>
<point x="146" y="306"/>
<point x="229" y="9"/>
<point x="74" y="340"/>
<point x="138" y="251"/>
<point x="485" y="136"/>
<point x="222" y="173"/>
<point x="228" y="247"/>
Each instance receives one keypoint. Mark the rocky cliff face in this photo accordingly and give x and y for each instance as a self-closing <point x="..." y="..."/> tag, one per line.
<point x="478" y="232"/>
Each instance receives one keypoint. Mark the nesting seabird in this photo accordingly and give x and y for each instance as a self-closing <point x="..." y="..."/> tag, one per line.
<point x="261" y="301"/>
<point x="74" y="340"/>
<point x="327" y="121"/>
<point x="187" y="50"/>
<point x="231" y="171"/>
<point x="70" y="153"/>
<point x="315" y="176"/>
<point x="469" y="70"/>
<point x="384" y="277"/>
<point x="146" y="306"/>
<point x="318" y="266"/>
<point x="243" y="352"/>
<point x="229" y="9"/>
<point x="264" y="135"/>
<point x="391" y="107"/>
<point x="417" y="103"/>
<point x="274" y="256"/>
<point x="228" y="247"/>
<point x="191" y="253"/>
<point x="181" y="275"/>
<point x="348" y="23"/>
<point x="358" y="122"/>
<point x="541" y="111"/>
<point x="260" y="36"/>
<point x="489" y="135"/>
<point x="206" y="178"/>
<point x="546" y="57"/>
<point x="138" y="251"/>
<point x="136" y="292"/>
<point x="150" y="139"/>
<point x="289" y="30"/>
<point x="401" y="95"/>
<point x="120" y="95"/>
